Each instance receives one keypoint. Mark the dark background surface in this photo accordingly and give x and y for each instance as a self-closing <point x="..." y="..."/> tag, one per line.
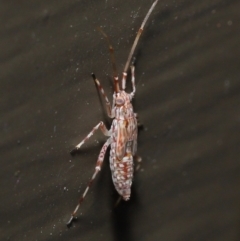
<point x="187" y="98"/>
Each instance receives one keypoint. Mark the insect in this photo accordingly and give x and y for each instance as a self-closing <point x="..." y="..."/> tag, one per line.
<point x="122" y="135"/>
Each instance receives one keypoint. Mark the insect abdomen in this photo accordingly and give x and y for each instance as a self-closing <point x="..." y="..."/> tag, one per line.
<point x="122" y="175"/>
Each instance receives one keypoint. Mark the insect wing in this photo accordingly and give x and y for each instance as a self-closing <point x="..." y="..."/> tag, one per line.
<point x="122" y="137"/>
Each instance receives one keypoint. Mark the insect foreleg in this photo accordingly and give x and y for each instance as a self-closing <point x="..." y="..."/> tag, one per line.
<point x="97" y="169"/>
<point x="133" y="78"/>
<point x="104" y="130"/>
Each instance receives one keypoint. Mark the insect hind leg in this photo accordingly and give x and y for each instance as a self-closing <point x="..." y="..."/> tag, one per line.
<point x="138" y="161"/>
<point x="97" y="169"/>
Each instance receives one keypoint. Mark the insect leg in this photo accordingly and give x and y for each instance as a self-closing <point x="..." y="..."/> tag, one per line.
<point x="124" y="78"/>
<point x="138" y="160"/>
<point x="133" y="78"/>
<point x="97" y="169"/>
<point x="108" y="105"/>
<point x="118" y="201"/>
<point x="104" y="130"/>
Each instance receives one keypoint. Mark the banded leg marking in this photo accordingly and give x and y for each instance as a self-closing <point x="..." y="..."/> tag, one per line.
<point x="104" y="130"/>
<point x="133" y="78"/>
<point x="124" y="78"/>
<point x="97" y="169"/>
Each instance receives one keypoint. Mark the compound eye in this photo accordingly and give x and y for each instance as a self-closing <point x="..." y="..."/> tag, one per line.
<point x="120" y="101"/>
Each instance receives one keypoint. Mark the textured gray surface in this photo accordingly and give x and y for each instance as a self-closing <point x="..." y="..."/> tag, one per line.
<point x="187" y="98"/>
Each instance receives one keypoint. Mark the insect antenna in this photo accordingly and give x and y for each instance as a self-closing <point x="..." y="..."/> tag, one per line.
<point x="111" y="50"/>
<point x="101" y="90"/>
<point x="137" y="38"/>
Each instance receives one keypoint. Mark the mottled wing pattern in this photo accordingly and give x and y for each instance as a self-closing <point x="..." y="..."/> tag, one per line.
<point x="132" y="135"/>
<point x="122" y="138"/>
